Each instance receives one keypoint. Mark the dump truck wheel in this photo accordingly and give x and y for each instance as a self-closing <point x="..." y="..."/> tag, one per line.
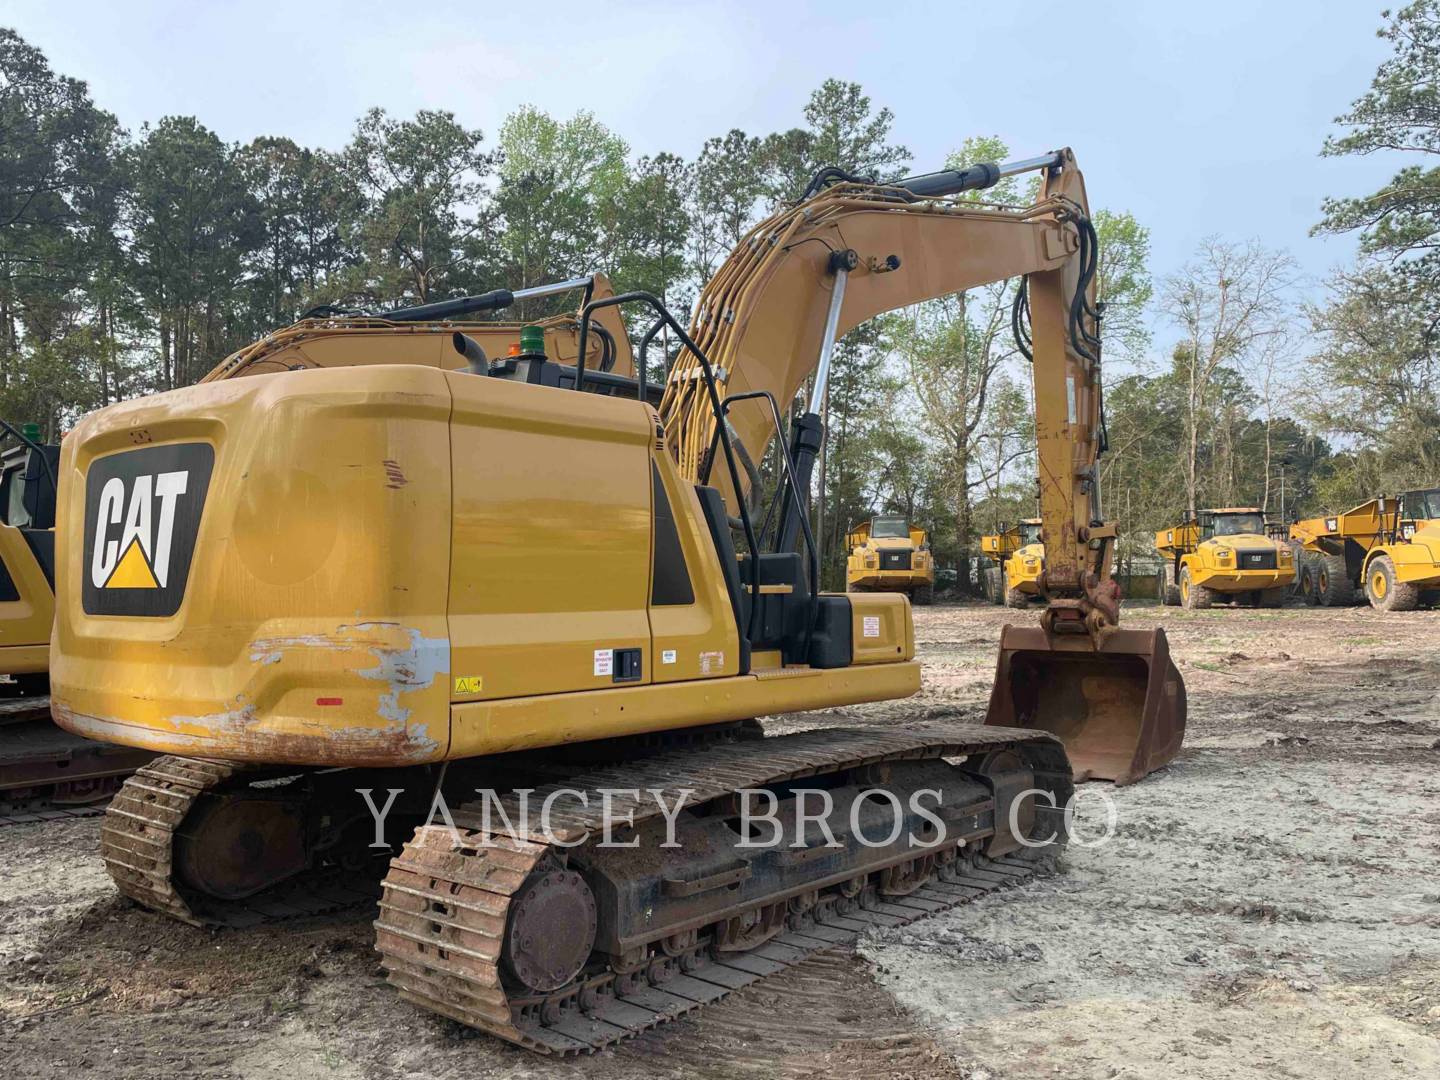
<point x="994" y="592"/>
<point x="924" y="596"/>
<point x="1169" y="587"/>
<point x="1307" y="584"/>
<point x="1273" y="598"/>
<point x="1384" y="591"/>
<point x="1332" y="582"/>
<point x="1194" y="596"/>
<point x="1014" y="598"/>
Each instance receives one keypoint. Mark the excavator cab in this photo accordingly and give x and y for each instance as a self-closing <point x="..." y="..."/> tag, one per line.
<point x="27" y="557"/>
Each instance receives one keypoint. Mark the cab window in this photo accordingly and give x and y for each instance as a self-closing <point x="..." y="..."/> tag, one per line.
<point x="1236" y="524"/>
<point x="1420" y="505"/>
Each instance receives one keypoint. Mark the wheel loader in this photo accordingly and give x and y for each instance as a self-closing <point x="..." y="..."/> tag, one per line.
<point x="1020" y="557"/>
<point x="888" y="554"/>
<point x="523" y="620"/>
<point x="1224" y="555"/>
<point x="1385" y="551"/>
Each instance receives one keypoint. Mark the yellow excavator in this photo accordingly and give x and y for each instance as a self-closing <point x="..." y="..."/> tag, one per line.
<point x="45" y="773"/>
<point x="888" y="554"/>
<point x="345" y="601"/>
<point x="1019" y="555"/>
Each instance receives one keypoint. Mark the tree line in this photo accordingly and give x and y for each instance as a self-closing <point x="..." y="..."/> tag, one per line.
<point x="133" y="261"/>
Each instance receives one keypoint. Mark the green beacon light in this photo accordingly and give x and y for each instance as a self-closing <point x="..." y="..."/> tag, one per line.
<point x="532" y="341"/>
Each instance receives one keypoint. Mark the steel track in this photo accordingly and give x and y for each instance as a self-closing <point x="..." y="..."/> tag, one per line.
<point x="445" y="905"/>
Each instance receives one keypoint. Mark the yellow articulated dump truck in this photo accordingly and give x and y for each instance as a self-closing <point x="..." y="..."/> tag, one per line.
<point x="888" y="554"/>
<point x="1386" y="550"/>
<point x="1019" y="554"/>
<point x="526" y="587"/>
<point x="1224" y="555"/>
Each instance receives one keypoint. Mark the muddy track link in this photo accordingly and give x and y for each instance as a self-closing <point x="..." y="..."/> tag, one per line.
<point x="445" y="907"/>
<point x="137" y="843"/>
<point x="21" y="710"/>
<point x="28" y="816"/>
<point x="48" y="774"/>
<point x="137" y="840"/>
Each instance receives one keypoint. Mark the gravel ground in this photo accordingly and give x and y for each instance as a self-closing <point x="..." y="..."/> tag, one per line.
<point x="1269" y="906"/>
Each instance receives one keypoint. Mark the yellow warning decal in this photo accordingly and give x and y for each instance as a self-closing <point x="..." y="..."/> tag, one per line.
<point x="132" y="571"/>
<point x="469" y="684"/>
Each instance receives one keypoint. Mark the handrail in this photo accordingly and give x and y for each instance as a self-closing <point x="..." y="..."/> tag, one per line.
<point x="644" y="358"/>
<point x="794" y="494"/>
<point x="716" y="407"/>
<point x="40" y="450"/>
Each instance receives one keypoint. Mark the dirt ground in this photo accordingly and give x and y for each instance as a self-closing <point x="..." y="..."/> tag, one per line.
<point x="1269" y="906"/>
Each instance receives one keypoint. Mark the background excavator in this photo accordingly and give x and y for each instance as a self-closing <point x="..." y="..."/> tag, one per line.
<point x="44" y="772"/>
<point x="493" y="580"/>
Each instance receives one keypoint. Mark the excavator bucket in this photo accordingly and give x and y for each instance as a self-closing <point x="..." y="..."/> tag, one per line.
<point x="1119" y="709"/>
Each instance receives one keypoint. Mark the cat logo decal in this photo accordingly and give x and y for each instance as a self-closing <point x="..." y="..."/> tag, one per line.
<point x="142" y="515"/>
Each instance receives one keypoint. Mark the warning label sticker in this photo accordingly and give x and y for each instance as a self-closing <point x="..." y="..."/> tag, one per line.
<point x="604" y="661"/>
<point x="668" y="656"/>
<point x="872" y="626"/>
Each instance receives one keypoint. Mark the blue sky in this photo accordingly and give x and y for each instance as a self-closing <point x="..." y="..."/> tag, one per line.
<point x="1199" y="119"/>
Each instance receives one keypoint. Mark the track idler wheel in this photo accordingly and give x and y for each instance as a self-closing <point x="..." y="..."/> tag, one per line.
<point x="1013" y="785"/>
<point x="233" y="846"/>
<point x="551" y="930"/>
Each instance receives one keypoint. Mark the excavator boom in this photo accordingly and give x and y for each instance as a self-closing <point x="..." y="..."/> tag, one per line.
<point x="770" y="317"/>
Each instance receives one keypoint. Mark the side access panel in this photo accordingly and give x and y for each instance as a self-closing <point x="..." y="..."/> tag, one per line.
<point x="881" y="629"/>
<point x="27" y="607"/>
<point x="551" y="535"/>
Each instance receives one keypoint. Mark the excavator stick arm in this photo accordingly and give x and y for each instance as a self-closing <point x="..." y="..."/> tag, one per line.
<point x="769" y="319"/>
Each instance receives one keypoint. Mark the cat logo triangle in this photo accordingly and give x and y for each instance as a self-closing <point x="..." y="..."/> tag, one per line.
<point x="133" y="570"/>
